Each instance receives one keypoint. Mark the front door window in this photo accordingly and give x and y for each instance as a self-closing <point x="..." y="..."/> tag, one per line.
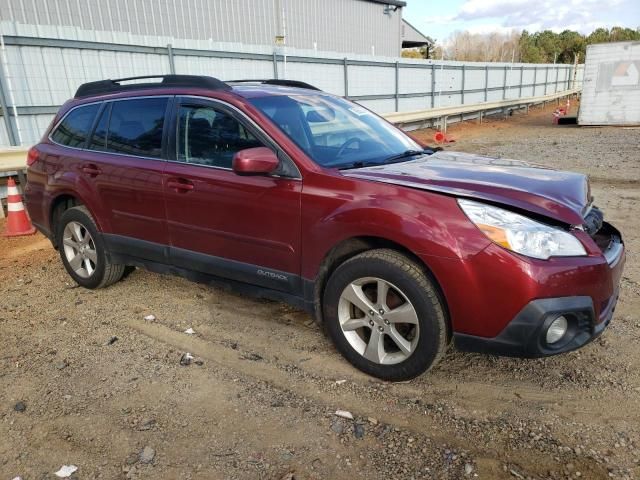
<point x="211" y="137"/>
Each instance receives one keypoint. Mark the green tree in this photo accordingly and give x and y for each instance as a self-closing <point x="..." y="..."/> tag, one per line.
<point x="420" y="52"/>
<point x="544" y="47"/>
<point x="619" y="34"/>
<point x="599" y="35"/>
<point x="571" y="44"/>
<point x="538" y="47"/>
<point x="529" y="51"/>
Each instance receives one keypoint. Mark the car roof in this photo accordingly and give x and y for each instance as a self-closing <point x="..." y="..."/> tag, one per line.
<point x="249" y="91"/>
<point x="168" y="83"/>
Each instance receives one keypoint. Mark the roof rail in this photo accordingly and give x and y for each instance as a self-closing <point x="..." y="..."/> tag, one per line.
<point x="113" y="86"/>
<point x="276" y="81"/>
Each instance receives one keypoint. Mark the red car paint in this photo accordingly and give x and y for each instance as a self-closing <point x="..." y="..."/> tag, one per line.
<point x="291" y="225"/>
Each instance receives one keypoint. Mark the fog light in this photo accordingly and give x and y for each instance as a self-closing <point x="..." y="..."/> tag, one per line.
<point x="557" y="329"/>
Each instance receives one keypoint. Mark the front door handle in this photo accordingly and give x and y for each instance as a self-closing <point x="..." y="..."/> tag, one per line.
<point x="180" y="184"/>
<point x="90" y="169"/>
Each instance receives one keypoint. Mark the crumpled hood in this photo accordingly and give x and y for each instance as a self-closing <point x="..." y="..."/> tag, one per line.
<point x="564" y="196"/>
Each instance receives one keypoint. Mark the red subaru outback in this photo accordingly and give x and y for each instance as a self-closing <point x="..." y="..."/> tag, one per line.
<point x="288" y="192"/>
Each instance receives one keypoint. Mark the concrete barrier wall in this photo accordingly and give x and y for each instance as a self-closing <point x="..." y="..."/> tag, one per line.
<point x="42" y="66"/>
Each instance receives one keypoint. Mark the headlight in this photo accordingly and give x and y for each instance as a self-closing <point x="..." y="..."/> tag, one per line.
<point x="521" y="234"/>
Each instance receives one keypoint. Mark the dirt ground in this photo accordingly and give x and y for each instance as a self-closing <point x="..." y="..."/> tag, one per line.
<point x="259" y="400"/>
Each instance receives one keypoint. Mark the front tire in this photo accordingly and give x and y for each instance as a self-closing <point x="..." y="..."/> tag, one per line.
<point x="83" y="252"/>
<point x="385" y="316"/>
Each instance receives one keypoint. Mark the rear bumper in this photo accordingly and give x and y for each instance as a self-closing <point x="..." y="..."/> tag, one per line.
<point x="525" y="335"/>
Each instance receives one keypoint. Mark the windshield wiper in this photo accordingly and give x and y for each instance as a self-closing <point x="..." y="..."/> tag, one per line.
<point x="405" y="154"/>
<point x="385" y="161"/>
<point x="358" y="164"/>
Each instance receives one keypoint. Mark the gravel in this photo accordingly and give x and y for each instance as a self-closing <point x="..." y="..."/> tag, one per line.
<point x="147" y="455"/>
<point x="262" y="401"/>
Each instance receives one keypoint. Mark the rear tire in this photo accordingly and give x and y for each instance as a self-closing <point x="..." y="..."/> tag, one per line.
<point x="83" y="252"/>
<point x="385" y="316"/>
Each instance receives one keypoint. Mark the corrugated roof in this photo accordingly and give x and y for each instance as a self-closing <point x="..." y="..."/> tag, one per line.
<point x="395" y="3"/>
<point x="411" y="35"/>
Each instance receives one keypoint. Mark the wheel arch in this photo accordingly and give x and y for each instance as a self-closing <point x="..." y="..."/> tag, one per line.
<point x="61" y="203"/>
<point x="353" y="246"/>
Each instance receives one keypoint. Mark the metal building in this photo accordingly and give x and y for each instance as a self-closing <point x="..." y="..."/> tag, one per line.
<point x="412" y="37"/>
<point x="349" y="26"/>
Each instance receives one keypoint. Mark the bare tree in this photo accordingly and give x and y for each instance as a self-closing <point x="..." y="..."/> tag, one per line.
<point x="483" y="47"/>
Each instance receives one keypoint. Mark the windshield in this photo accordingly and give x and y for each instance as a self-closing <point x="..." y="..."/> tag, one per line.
<point x="335" y="132"/>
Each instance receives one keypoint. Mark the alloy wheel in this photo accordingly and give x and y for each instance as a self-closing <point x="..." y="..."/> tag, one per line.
<point x="79" y="249"/>
<point x="378" y="320"/>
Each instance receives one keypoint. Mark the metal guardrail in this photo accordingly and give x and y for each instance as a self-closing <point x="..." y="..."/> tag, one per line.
<point x="425" y="118"/>
<point x="13" y="159"/>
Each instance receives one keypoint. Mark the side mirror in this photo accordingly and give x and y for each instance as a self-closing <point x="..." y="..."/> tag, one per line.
<point x="255" y="161"/>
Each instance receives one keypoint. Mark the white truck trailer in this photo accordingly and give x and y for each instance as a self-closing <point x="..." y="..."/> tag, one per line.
<point x="611" y="85"/>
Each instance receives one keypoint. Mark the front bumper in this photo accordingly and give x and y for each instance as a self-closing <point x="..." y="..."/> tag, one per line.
<point x="525" y="335"/>
<point x="588" y="316"/>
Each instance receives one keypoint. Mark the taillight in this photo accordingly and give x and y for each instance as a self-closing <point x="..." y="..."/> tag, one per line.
<point x="32" y="156"/>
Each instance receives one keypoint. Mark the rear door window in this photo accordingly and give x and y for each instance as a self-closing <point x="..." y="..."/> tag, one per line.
<point x="135" y="127"/>
<point x="99" y="137"/>
<point x="74" y="129"/>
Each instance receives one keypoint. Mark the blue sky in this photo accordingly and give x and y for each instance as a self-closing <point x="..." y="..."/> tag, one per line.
<point x="439" y="19"/>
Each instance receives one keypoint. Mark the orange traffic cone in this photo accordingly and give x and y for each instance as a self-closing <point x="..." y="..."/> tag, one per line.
<point x="18" y="222"/>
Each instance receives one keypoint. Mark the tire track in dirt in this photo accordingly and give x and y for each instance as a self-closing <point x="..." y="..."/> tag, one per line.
<point x="627" y="183"/>
<point x="324" y="364"/>
<point x="317" y="386"/>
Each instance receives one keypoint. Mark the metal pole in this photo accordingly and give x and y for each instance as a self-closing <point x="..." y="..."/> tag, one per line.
<point x="504" y="89"/>
<point x="397" y="86"/>
<point x="463" y="75"/>
<point x="5" y="111"/>
<point x="486" y="83"/>
<point x="4" y="75"/>
<point x="441" y="79"/>
<point x="284" y="42"/>
<point x="433" y="85"/>
<point x="275" y="64"/>
<point x="535" y="80"/>
<point x="521" y="81"/>
<point x="546" y="79"/>
<point x="346" y="77"/>
<point x="172" y="65"/>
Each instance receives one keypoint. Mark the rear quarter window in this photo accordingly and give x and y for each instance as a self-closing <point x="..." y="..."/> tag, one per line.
<point x="75" y="127"/>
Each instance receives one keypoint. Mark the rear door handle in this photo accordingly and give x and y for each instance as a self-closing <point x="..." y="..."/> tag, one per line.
<point x="181" y="185"/>
<point x="90" y="169"/>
